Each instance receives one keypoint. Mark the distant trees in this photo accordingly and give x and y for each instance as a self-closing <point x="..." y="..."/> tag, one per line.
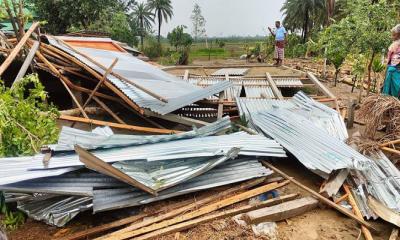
<point x="182" y="42"/>
<point x="163" y="12"/>
<point x="143" y="18"/>
<point x="198" y="22"/>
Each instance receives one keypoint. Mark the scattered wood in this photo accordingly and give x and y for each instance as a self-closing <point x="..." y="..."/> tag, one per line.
<point x="10" y="58"/>
<point x="281" y="211"/>
<point x="26" y="64"/>
<point x="199" y="212"/>
<point x="215" y="216"/>
<point x="118" y="125"/>
<point x="334" y="183"/>
<point x="273" y="86"/>
<point x="384" y="212"/>
<point x="357" y="212"/>
<point x="89" y="110"/>
<point x="321" y="198"/>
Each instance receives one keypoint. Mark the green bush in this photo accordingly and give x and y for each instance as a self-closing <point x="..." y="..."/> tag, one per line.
<point x="152" y="48"/>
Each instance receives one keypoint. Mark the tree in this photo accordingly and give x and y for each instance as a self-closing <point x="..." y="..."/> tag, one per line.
<point x="163" y="11"/>
<point x="143" y="18"/>
<point x="304" y="15"/>
<point x="198" y="22"/>
<point x="182" y="42"/>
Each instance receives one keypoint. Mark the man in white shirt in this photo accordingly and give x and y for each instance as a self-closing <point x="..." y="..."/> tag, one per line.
<point x="280" y="35"/>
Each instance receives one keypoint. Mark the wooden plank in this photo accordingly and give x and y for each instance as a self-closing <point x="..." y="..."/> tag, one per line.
<point x="390" y="143"/>
<point x="215" y="216"/>
<point x="104" y="106"/>
<point x="281" y="211"/>
<point x="391" y="150"/>
<point x="113" y="73"/>
<point x="10" y="58"/>
<point x="321" y="198"/>
<point x="95" y="163"/>
<point x="273" y="86"/>
<point x="357" y="212"/>
<point x="321" y="86"/>
<point x="53" y="69"/>
<point x="384" y="212"/>
<point x="334" y="182"/>
<point x="26" y="64"/>
<point x="186" y="75"/>
<point x="190" y="207"/>
<point x="118" y="125"/>
<point x="199" y="212"/>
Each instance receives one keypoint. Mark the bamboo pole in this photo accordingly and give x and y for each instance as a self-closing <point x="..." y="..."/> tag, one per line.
<point x="10" y="58"/>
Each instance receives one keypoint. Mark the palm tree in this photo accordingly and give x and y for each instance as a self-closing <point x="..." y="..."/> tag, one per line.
<point x="143" y="18"/>
<point x="304" y="15"/>
<point x="162" y="10"/>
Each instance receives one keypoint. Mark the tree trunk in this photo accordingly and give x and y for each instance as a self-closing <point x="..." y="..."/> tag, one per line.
<point x="306" y="23"/>
<point x="336" y="75"/>
<point x="141" y="32"/>
<point x="369" y="72"/>
<point x="159" y="25"/>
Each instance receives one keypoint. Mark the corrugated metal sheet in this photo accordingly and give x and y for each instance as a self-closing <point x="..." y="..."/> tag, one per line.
<point x="55" y="211"/>
<point x="250" y="145"/>
<point x="178" y="93"/>
<point x="312" y="146"/>
<point x="288" y="82"/>
<point x="105" y="138"/>
<point x="161" y="175"/>
<point x="319" y="114"/>
<point x="232" y="171"/>
<point x="230" y="72"/>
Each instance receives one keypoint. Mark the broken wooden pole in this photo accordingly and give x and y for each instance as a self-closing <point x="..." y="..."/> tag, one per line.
<point x="118" y="125"/>
<point x="26" y="63"/>
<point x="357" y="212"/>
<point x="10" y="58"/>
<point x="321" y="198"/>
<point x="273" y="86"/>
<point x="350" y="113"/>
<point x="199" y="212"/>
<point x="281" y="211"/>
<point x="107" y="109"/>
<point x="215" y="216"/>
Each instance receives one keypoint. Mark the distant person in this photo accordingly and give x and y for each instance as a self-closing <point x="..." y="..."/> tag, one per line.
<point x="280" y="35"/>
<point x="391" y="86"/>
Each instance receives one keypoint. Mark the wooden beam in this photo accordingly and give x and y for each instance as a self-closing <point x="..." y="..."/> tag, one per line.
<point x="281" y="211"/>
<point x="394" y="142"/>
<point x="178" y="119"/>
<point x="113" y="73"/>
<point x="321" y="86"/>
<point x="53" y="69"/>
<point x="357" y="212"/>
<point x="118" y="125"/>
<point x="187" y="74"/>
<point x="190" y="207"/>
<point x="391" y="150"/>
<point x="334" y="182"/>
<point x="26" y="63"/>
<point x="104" y="106"/>
<point x="109" y="69"/>
<point x="273" y="86"/>
<point x="215" y="216"/>
<point x="10" y="58"/>
<point x="200" y="212"/>
<point x="321" y="198"/>
<point x="95" y="163"/>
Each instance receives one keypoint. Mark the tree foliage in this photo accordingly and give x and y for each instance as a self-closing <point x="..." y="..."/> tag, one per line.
<point x="26" y="120"/>
<point x="181" y="41"/>
<point x="162" y="11"/>
<point x="143" y="19"/>
<point x="198" y="22"/>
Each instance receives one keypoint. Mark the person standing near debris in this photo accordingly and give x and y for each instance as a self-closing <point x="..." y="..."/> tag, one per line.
<point x="391" y="86"/>
<point x="280" y="35"/>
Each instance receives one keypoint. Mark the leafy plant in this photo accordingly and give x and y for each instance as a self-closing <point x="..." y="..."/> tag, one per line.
<point x="27" y="121"/>
<point x="12" y="220"/>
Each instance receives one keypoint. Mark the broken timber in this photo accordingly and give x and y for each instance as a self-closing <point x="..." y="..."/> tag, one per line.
<point x="281" y="211"/>
<point x="334" y="182"/>
<point x="273" y="86"/>
<point x="26" y="64"/>
<point x="321" y="198"/>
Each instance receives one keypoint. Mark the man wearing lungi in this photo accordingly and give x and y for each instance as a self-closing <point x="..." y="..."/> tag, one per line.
<point x="280" y="41"/>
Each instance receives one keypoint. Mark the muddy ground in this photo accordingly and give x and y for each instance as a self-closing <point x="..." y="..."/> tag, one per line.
<point x="322" y="223"/>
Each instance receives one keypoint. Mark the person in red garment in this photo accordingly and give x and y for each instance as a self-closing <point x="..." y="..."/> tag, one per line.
<point x="280" y="35"/>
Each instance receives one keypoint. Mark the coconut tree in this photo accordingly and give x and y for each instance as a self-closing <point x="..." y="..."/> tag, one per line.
<point x="162" y="10"/>
<point x="143" y="17"/>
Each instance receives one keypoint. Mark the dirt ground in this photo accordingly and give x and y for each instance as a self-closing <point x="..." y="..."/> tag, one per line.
<point x="321" y="223"/>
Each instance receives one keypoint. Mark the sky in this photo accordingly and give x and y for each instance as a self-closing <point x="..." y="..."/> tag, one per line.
<point x="227" y="17"/>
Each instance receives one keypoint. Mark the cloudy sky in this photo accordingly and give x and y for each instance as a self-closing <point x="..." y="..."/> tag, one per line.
<point x="228" y="17"/>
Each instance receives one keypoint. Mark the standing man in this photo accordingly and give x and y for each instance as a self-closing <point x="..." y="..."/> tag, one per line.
<point x="280" y="40"/>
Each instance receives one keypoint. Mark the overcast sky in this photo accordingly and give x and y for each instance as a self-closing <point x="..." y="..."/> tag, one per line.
<point x="227" y="17"/>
